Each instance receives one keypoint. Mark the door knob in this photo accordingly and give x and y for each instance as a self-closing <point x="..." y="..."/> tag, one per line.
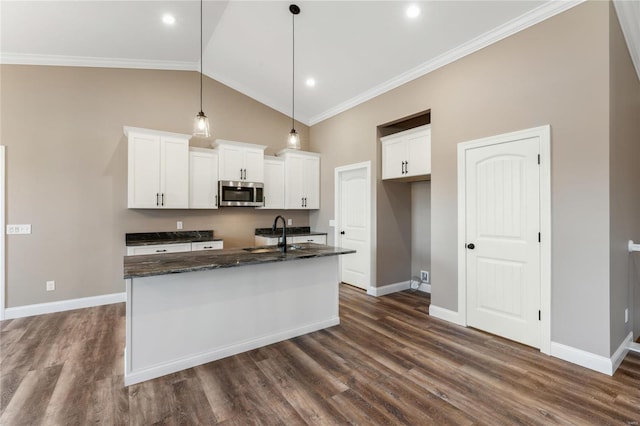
<point x="341" y="232"/>
<point x="471" y="246"/>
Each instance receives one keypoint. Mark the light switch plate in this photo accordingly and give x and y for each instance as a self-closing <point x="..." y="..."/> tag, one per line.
<point x="179" y="224"/>
<point x="18" y="229"/>
<point x="332" y="223"/>
<point x="289" y="222"/>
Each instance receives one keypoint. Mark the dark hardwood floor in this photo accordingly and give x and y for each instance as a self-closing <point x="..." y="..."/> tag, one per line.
<point x="388" y="362"/>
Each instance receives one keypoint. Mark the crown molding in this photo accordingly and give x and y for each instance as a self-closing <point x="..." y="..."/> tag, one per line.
<point x="95" y="62"/>
<point x="514" y="26"/>
<point x="629" y="17"/>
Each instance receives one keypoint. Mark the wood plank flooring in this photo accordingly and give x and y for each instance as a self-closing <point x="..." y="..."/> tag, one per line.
<point x="388" y="362"/>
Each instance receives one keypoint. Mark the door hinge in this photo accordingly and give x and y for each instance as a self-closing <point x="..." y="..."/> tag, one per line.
<point x="539" y="238"/>
<point x="538" y="158"/>
<point x="539" y="316"/>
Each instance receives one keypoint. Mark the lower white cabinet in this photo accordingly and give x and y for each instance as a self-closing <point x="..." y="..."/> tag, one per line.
<point x="158" y="248"/>
<point x="174" y="247"/>
<point x="207" y="245"/>
<point x="272" y="241"/>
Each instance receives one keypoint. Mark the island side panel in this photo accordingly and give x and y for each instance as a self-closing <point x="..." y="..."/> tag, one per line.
<point x="178" y="321"/>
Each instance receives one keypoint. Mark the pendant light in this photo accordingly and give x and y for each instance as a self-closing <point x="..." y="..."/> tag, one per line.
<point x="201" y="123"/>
<point x="294" y="138"/>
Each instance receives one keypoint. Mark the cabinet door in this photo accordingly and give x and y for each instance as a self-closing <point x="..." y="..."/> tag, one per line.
<point x="254" y="165"/>
<point x="207" y="245"/>
<point x="273" y="185"/>
<point x="158" y="249"/>
<point x="231" y="163"/>
<point x="394" y="153"/>
<point x="419" y="153"/>
<point x="311" y="179"/>
<point x="294" y="189"/>
<point x="144" y="171"/>
<point x="174" y="173"/>
<point x="317" y="239"/>
<point x="203" y="180"/>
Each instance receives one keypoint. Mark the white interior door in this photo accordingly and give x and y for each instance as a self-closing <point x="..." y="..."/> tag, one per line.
<point x="354" y="224"/>
<point x="502" y="239"/>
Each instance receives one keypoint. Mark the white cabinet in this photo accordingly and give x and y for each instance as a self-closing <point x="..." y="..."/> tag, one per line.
<point x="174" y="247"/>
<point x="240" y="161"/>
<point x="158" y="248"/>
<point x="301" y="179"/>
<point x="272" y="241"/>
<point x="207" y="245"/>
<point x="203" y="178"/>
<point x="158" y="167"/>
<point x="318" y="239"/>
<point x="273" y="191"/>
<point x="407" y="154"/>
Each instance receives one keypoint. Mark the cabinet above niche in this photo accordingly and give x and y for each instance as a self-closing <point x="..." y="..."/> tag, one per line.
<point x="406" y="156"/>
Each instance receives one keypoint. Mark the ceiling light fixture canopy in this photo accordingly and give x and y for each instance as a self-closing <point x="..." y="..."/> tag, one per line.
<point x="294" y="138"/>
<point x="201" y="123"/>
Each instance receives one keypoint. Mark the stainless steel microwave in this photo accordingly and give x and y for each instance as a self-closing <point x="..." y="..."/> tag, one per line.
<point x="241" y="194"/>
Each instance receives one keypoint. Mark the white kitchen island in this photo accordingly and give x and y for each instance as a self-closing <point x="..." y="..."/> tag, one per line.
<point x="187" y="309"/>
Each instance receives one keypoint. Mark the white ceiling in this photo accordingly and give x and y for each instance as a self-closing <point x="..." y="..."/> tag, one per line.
<point x="354" y="49"/>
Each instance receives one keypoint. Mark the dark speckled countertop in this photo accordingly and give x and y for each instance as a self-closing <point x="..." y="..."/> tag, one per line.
<point x="291" y="232"/>
<point x="174" y="263"/>
<point x="150" y="238"/>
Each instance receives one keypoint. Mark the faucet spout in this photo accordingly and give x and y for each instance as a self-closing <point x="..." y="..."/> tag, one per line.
<point x="283" y="243"/>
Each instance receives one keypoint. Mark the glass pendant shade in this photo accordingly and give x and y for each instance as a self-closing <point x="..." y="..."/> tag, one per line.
<point x="293" y="141"/>
<point x="201" y="126"/>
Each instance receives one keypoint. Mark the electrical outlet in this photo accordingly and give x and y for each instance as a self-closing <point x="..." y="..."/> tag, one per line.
<point x="626" y="315"/>
<point x="424" y="276"/>
<point x="51" y="285"/>
<point x="18" y="229"/>
<point x="289" y="222"/>
<point x="332" y="223"/>
<point x="179" y="224"/>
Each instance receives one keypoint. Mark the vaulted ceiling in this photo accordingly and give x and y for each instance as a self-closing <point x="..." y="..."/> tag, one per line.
<point x="353" y="49"/>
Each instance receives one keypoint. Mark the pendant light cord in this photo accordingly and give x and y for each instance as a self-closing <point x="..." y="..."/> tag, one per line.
<point x="293" y="73"/>
<point x="201" y="1"/>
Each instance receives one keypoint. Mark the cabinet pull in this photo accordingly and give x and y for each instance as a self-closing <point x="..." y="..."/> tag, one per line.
<point x="240" y="174"/>
<point x="245" y="174"/>
<point x="163" y="198"/>
<point x="403" y="167"/>
<point x="406" y="166"/>
<point x="264" y="201"/>
<point x="302" y="202"/>
<point x="161" y="251"/>
<point x="207" y="247"/>
<point x="157" y="199"/>
<point x="216" y="201"/>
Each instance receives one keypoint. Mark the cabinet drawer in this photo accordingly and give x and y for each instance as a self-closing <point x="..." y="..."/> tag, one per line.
<point x="207" y="245"/>
<point x="318" y="239"/>
<point x="158" y="248"/>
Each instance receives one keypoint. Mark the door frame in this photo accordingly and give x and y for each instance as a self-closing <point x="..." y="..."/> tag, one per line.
<point x="544" y="134"/>
<point x="370" y="211"/>
<point x="3" y="227"/>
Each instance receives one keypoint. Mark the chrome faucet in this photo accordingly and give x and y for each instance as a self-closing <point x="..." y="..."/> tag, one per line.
<point x="283" y="243"/>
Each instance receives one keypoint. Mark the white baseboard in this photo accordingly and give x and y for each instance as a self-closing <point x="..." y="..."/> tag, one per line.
<point x="203" y="358"/>
<point x="591" y="361"/>
<point x="446" y="315"/>
<point x="634" y="347"/>
<point x="63" y="305"/>
<point x="388" y="289"/>
<point x="425" y="288"/>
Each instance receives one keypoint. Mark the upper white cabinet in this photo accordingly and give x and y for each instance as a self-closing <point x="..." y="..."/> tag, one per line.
<point x="273" y="191"/>
<point x="240" y="161"/>
<point x="301" y="179"/>
<point x="158" y="169"/>
<point x="203" y="178"/>
<point x="407" y="154"/>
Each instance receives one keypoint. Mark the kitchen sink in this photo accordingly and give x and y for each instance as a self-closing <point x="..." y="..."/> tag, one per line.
<point x="272" y="249"/>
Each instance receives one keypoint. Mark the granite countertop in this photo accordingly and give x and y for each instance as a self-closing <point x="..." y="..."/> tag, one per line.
<point x="174" y="263"/>
<point x="176" y="237"/>
<point x="291" y="232"/>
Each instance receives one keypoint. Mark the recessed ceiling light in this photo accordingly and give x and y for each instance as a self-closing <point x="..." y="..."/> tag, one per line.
<point x="311" y="82"/>
<point x="168" y="19"/>
<point x="413" y="11"/>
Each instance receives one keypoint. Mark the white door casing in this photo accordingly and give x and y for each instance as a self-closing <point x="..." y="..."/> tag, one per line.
<point x="353" y="222"/>
<point x="3" y="225"/>
<point x="504" y="283"/>
<point x="503" y="253"/>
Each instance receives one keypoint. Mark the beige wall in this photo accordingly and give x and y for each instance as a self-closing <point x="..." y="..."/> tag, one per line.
<point x="67" y="169"/>
<point x="624" y="178"/>
<point x="553" y="73"/>
<point x="420" y="227"/>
